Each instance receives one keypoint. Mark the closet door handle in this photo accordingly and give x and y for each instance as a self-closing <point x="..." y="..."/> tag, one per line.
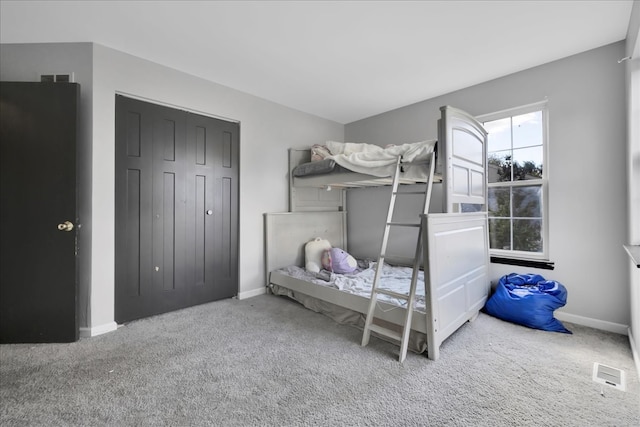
<point x="209" y="212"/>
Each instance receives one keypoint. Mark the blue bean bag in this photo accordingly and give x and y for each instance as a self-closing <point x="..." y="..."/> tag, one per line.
<point x="528" y="300"/>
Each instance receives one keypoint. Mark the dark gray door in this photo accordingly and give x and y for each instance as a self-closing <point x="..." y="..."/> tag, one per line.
<point x="38" y="133"/>
<point x="212" y="208"/>
<point x="176" y="244"/>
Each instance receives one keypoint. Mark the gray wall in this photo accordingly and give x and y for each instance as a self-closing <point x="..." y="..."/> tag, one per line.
<point x="267" y="130"/>
<point x="587" y="161"/>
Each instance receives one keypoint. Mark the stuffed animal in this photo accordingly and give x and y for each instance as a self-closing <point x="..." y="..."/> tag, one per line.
<point x="319" y="152"/>
<point x="338" y="261"/>
<point x="313" y="254"/>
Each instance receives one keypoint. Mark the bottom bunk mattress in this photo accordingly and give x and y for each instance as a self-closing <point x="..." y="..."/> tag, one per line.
<point x="345" y="297"/>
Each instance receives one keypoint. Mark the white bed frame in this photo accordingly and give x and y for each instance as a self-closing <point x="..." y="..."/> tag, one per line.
<point x="455" y="254"/>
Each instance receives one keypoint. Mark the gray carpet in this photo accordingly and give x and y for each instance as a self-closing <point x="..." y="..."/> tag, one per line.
<point x="269" y="361"/>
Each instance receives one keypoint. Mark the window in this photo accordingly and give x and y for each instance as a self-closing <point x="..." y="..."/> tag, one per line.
<point x="517" y="182"/>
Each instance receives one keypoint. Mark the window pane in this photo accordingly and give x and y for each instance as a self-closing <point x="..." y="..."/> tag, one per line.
<point x="499" y="166"/>
<point x="527" y="129"/>
<point x="527" y="235"/>
<point x="499" y="134"/>
<point x="527" y="201"/>
<point x="469" y="207"/>
<point x="527" y="163"/>
<point x="499" y="202"/>
<point x="500" y="233"/>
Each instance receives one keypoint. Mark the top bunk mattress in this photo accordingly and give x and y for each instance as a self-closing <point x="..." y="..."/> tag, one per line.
<point x="371" y="164"/>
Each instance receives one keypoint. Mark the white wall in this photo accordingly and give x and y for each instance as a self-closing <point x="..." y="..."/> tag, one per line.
<point x="267" y="130"/>
<point x="587" y="199"/>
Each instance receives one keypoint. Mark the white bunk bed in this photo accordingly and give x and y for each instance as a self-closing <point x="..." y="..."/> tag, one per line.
<point x="455" y="243"/>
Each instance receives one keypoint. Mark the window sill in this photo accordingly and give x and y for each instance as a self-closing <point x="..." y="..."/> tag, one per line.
<point x="544" y="265"/>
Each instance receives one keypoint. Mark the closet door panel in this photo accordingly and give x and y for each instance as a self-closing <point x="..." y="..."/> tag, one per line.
<point x="226" y="269"/>
<point x="134" y="183"/>
<point x="212" y="233"/>
<point x="200" y="208"/>
<point x="150" y="151"/>
<point x="226" y="159"/>
<point x="200" y="227"/>
<point x="132" y="238"/>
<point x="170" y="290"/>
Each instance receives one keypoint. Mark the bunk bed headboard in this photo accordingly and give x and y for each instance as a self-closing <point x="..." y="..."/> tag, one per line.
<point x="463" y="140"/>
<point x="287" y="233"/>
<point x="303" y="199"/>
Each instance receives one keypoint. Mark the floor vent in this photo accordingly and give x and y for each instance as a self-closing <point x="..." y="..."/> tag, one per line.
<point x="613" y="377"/>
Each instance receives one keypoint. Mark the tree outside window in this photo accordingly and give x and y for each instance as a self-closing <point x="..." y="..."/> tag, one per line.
<point x="517" y="182"/>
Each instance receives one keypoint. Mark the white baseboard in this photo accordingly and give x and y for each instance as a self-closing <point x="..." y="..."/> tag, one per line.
<point x="98" y="330"/>
<point x="112" y="326"/>
<point x="634" y="350"/>
<point x="252" y="293"/>
<point x="592" y="323"/>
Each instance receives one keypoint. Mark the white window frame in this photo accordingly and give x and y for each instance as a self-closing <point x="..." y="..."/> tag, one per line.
<point x="544" y="182"/>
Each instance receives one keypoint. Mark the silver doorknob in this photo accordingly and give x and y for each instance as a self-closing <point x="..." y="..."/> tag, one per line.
<point x="209" y="212"/>
<point x="65" y="226"/>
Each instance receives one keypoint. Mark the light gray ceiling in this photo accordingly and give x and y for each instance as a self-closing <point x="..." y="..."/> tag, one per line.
<point x="343" y="61"/>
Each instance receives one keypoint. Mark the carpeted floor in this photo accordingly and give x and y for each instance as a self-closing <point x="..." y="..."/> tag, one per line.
<point x="268" y="361"/>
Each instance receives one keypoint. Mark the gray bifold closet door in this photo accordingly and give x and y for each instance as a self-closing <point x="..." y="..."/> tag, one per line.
<point x="176" y="209"/>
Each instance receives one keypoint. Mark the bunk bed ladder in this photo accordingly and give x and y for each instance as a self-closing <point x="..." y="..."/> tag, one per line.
<point x="369" y="326"/>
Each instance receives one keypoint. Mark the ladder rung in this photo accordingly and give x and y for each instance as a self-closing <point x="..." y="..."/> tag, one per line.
<point x="398" y="259"/>
<point x="393" y="294"/>
<point x="384" y="331"/>
<point x="415" y="162"/>
<point x="404" y="224"/>
<point x="409" y="192"/>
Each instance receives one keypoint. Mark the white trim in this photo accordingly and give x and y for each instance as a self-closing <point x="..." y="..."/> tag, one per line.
<point x="634" y="351"/>
<point x="635" y="54"/>
<point x="252" y="293"/>
<point x="175" y="107"/>
<point x="514" y="111"/>
<point x="98" y="330"/>
<point x="543" y="182"/>
<point x="603" y="325"/>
